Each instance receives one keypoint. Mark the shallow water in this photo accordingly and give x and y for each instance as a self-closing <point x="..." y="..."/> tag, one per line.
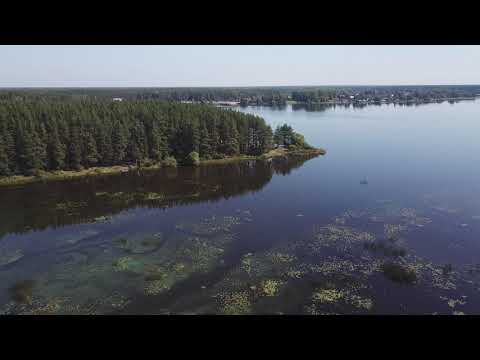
<point x="386" y="222"/>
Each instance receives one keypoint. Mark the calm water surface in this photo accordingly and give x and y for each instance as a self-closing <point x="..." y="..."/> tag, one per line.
<point x="387" y="222"/>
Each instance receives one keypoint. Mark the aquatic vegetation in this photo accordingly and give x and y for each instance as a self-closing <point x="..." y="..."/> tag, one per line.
<point x="127" y="263"/>
<point x="410" y="217"/>
<point x="271" y="264"/>
<point x="115" y="300"/>
<point x="327" y="295"/>
<point x="163" y="278"/>
<point x="338" y="237"/>
<point x="58" y="305"/>
<point x="434" y="276"/>
<point x="281" y="258"/>
<point x="250" y="264"/>
<point x="331" y="266"/>
<point x="210" y="226"/>
<point x="347" y="297"/>
<point x="201" y="254"/>
<point x="155" y="287"/>
<point x="361" y="303"/>
<point x="270" y="287"/>
<point x="399" y="273"/>
<point x="392" y="231"/>
<point x="453" y="303"/>
<point x="236" y="303"/>
<point x="295" y="274"/>
<point x="9" y="257"/>
<point x="193" y="255"/>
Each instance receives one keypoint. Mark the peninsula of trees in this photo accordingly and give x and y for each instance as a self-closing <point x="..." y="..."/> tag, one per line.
<point x="49" y="135"/>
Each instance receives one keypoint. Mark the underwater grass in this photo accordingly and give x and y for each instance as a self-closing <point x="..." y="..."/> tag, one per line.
<point x="399" y="273"/>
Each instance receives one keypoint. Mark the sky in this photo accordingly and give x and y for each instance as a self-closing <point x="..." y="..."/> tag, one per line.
<point x="221" y="65"/>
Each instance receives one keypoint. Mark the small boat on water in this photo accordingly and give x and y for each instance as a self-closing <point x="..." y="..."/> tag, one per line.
<point x="364" y="182"/>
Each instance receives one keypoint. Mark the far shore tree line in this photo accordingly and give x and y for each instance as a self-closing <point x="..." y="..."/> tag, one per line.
<point x="264" y="96"/>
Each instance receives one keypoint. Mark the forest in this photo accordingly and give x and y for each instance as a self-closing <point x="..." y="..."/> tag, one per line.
<point x="48" y="134"/>
<point x="253" y="96"/>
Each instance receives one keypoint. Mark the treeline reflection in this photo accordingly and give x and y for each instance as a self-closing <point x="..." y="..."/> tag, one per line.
<point x="54" y="204"/>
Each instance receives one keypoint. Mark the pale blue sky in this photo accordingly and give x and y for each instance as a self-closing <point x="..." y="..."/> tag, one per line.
<point x="70" y="66"/>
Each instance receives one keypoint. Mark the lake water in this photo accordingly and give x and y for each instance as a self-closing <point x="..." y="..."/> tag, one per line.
<point x="387" y="222"/>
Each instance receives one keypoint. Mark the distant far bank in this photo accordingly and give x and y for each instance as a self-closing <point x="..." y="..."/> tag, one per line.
<point x="258" y="95"/>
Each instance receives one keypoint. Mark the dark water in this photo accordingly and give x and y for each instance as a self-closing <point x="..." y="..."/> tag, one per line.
<point x="387" y="222"/>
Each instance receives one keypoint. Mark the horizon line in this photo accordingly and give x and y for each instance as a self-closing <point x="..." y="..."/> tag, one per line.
<point x="224" y="87"/>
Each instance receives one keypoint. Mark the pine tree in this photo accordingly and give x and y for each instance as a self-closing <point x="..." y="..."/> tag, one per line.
<point x="119" y="143"/>
<point x="156" y="145"/>
<point x="56" y="152"/>
<point x="4" y="163"/>
<point x="38" y="134"/>
<point x="231" y="146"/>
<point x="75" y="150"/>
<point x="205" y="146"/>
<point x="90" y="153"/>
<point x="29" y="163"/>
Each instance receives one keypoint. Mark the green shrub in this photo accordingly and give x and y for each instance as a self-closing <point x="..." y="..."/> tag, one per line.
<point x="169" y="161"/>
<point x="147" y="163"/>
<point x="217" y="156"/>
<point x="192" y="159"/>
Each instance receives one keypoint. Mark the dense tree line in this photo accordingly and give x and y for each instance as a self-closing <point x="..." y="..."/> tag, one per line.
<point x="285" y="136"/>
<point x="276" y="95"/>
<point x="50" y="134"/>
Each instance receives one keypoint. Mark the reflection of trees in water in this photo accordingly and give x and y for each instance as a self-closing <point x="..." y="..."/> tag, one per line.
<point x="311" y="107"/>
<point x="54" y="204"/>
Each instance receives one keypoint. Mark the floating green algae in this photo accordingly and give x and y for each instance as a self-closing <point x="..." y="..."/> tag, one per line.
<point x="327" y="295"/>
<point x="210" y="226"/>
<point x="392" y="231"/>
<point x="127" y="263"/>
<point x="64" y="305"/>
<point x="162" y="278"/>
<point x="270" y="287"/>
<point x="343" y="299"/>
<point x="236" y="303"/>
<point x="338" y="237"/>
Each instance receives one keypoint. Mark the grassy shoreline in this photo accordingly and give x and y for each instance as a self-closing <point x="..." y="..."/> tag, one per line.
<point x="99" y="171"/>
